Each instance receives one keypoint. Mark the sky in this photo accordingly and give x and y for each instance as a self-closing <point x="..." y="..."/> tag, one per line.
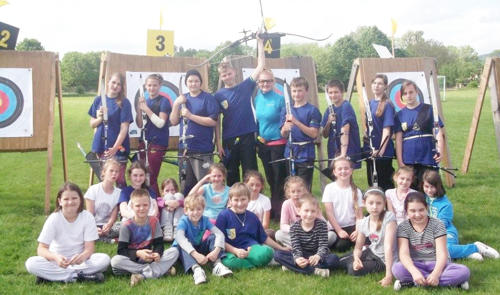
<point x="121" y="25"/>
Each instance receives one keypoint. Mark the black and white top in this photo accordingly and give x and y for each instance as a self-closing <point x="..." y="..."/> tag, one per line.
<point x="377" y="238"/>
<point x="422" y="244"/>
<point x="308" y="243"/>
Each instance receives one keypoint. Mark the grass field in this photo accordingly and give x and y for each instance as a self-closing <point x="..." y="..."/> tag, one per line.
<point x="22" y="185"/>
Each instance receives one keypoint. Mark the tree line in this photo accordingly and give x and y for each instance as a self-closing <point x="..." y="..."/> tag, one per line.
<point x="461" y="65"/>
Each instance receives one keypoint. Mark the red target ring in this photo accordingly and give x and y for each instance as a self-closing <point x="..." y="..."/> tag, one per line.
<point x="394" y="90"/>
<point x="11" y="102"/>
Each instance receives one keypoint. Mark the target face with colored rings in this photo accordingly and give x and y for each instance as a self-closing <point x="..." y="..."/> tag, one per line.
<point x="394" y="91"/>
<point x="11" y="102"/>
<point x="167" y="89"/>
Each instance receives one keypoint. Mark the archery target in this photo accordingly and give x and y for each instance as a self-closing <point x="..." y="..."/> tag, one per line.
<point x="396" y="79"/>
<point x="16" y="102"/>
<point x="168" y="89"/>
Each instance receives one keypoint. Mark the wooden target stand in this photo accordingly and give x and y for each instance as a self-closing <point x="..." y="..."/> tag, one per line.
<point x="307" y="69"/>
<point x="489" y="78"/>
<point x="365" y="69"/>
<point x="46" y="78"/>
<point x="122" y="63"/>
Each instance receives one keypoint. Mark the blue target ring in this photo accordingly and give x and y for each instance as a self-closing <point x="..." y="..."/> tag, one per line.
<point x="394" y="90"/>
<point x="11" y="102"/>
<point x="167" y="89"/>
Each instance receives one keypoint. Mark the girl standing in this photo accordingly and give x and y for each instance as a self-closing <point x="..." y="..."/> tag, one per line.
<point x="343" y="204"/>
<point x="101" y="200"/>
<point x="214" y="189"/>
<point x="157" y="109"/>
<point x="380" y="228"/>
<point x="415" y="144"/>
<point x="119" y="113"/>
<point x="422" y="250"/>
<point x="383" y="121"/>
<point x="67" y="242"/>
<point x="173" y="208"/>
<point x="440" y="207"/>
<point x="200" y="113"/>
<point x="137" y="174"/>
<point x="396" y="196"/>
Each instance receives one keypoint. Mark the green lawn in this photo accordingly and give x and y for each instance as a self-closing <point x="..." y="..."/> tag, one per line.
<point x="22" y="185"/>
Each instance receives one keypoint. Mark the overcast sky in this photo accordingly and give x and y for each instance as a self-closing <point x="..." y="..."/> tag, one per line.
<point x="121" y="25"/>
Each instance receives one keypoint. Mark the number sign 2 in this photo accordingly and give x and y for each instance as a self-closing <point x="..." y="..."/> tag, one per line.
<point x="8" y="36"/>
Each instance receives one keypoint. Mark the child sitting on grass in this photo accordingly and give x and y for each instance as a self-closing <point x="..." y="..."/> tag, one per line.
<point x="194" y="251"/>
<point x="140" y="244"/>
<point x="244" y="234"/>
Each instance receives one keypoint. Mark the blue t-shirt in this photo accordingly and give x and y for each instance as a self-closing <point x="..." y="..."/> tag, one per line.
<point x="268" y="108"/>
<point x="127" y="191"/>
<point x="344" y="115"/>
<point x="416" y="150"/>
<point x="203" y="105"/>
<point x="238" y="235"/>
<point x="193" y="233"/>
<point x="140" y="236"/>
<point x="116" y="116"/>
<point x="155" y="135"/>
<point x="310" y="116"/>
<point x="213" y="205"/>
<point x="235" y="103"/>
<point x="379" y="123"/>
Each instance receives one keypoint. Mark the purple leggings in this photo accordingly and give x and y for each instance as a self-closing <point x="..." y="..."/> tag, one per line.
<point x="453" y="274"/>
<point x="155" y="158"/>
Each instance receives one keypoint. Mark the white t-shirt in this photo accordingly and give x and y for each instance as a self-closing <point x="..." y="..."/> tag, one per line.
<point x="68" y="238"/>
<point x="104" y="203"/>
<point x="259" y="206"/>
<point x="399" y="205"/>
<point x="343" y="206"/>
<point x="377" y="238"/>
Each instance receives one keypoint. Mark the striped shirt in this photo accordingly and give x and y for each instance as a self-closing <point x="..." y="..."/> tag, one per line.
<point x="308" y="243"/>
<point x="422" y="244"/>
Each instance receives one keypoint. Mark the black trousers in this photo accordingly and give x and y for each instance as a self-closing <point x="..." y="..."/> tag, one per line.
<point x="305" y="170"/>
<point x="275" y="174"/>
<point x="239" y="150"/>
<point x="419" y="170"/>
<point x="371" y="263"/>
<point x="384" y="173"/>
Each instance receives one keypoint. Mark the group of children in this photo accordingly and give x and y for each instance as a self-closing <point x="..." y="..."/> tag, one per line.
<point x="413" y="243"/>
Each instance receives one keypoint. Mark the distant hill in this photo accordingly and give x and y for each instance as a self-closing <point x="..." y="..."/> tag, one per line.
<point x="491" y="54"/>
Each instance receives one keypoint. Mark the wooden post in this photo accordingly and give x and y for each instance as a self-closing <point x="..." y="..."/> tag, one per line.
<point x="352" y="79"/>
<point x="485" y="77"/>
<point x="495" y="104"/>
<point x="61" y="121"/>
<point x="50" y="141"/>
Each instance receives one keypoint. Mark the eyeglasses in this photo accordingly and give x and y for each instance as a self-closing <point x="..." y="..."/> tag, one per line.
<point x="266" y="81"/>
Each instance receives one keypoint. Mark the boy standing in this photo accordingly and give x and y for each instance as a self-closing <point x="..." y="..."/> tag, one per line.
<point x="303" y="123"/>
<point x="244" y="233"/>
<point x="238" y="125"/>
<point x="194" y="251"/>
<point x="140" y="244"/>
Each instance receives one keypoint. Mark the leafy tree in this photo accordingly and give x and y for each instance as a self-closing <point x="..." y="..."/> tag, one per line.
<point x="416" y="46"/>
<point x="80" y="70"/>
<point x="340" y="57"/>
<point x="318" y="53"/>
<point x="29" y="45"/>
<point x="366" y="36"/>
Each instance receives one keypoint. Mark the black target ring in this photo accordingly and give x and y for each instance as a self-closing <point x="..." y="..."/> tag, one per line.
<point x="10" y="94"/>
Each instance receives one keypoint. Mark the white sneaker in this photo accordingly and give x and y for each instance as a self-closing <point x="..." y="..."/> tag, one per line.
<point x="465" y="285"/>
<point x="322" y="272"/>
<point x="284" y="268"/>
<point x="397" y="285"/>
<point x="220" y="270"/>
<point x="486" y="250"/>
<point x="199" y="276"/>
<point x="476" y="256"/>
<point x="168" y="233"/>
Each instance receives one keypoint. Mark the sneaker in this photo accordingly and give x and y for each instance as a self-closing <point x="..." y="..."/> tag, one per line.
<point x="168" y="234"/>
<point x="284" y="268"/>
<point x="135" y="279"/>
<point x="95" y="277"/>
<point x="322" y="272"/>
<point x="199" y="276"/>
<point x="273" y="263"/>
<point x="476" y="256"/>
<point x="465" y="285"/>
<point x="397" y="285"/>
<point x="220" y="270"/>
<point x="486" y="250"/>
<point x="172" y="271"/>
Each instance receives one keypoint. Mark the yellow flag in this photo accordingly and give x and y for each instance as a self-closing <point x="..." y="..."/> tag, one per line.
<point x="161" y="19"/>
<point x="3" y="2"/>
<point x="269" y="23"/>
<point x="394" y="26"/>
